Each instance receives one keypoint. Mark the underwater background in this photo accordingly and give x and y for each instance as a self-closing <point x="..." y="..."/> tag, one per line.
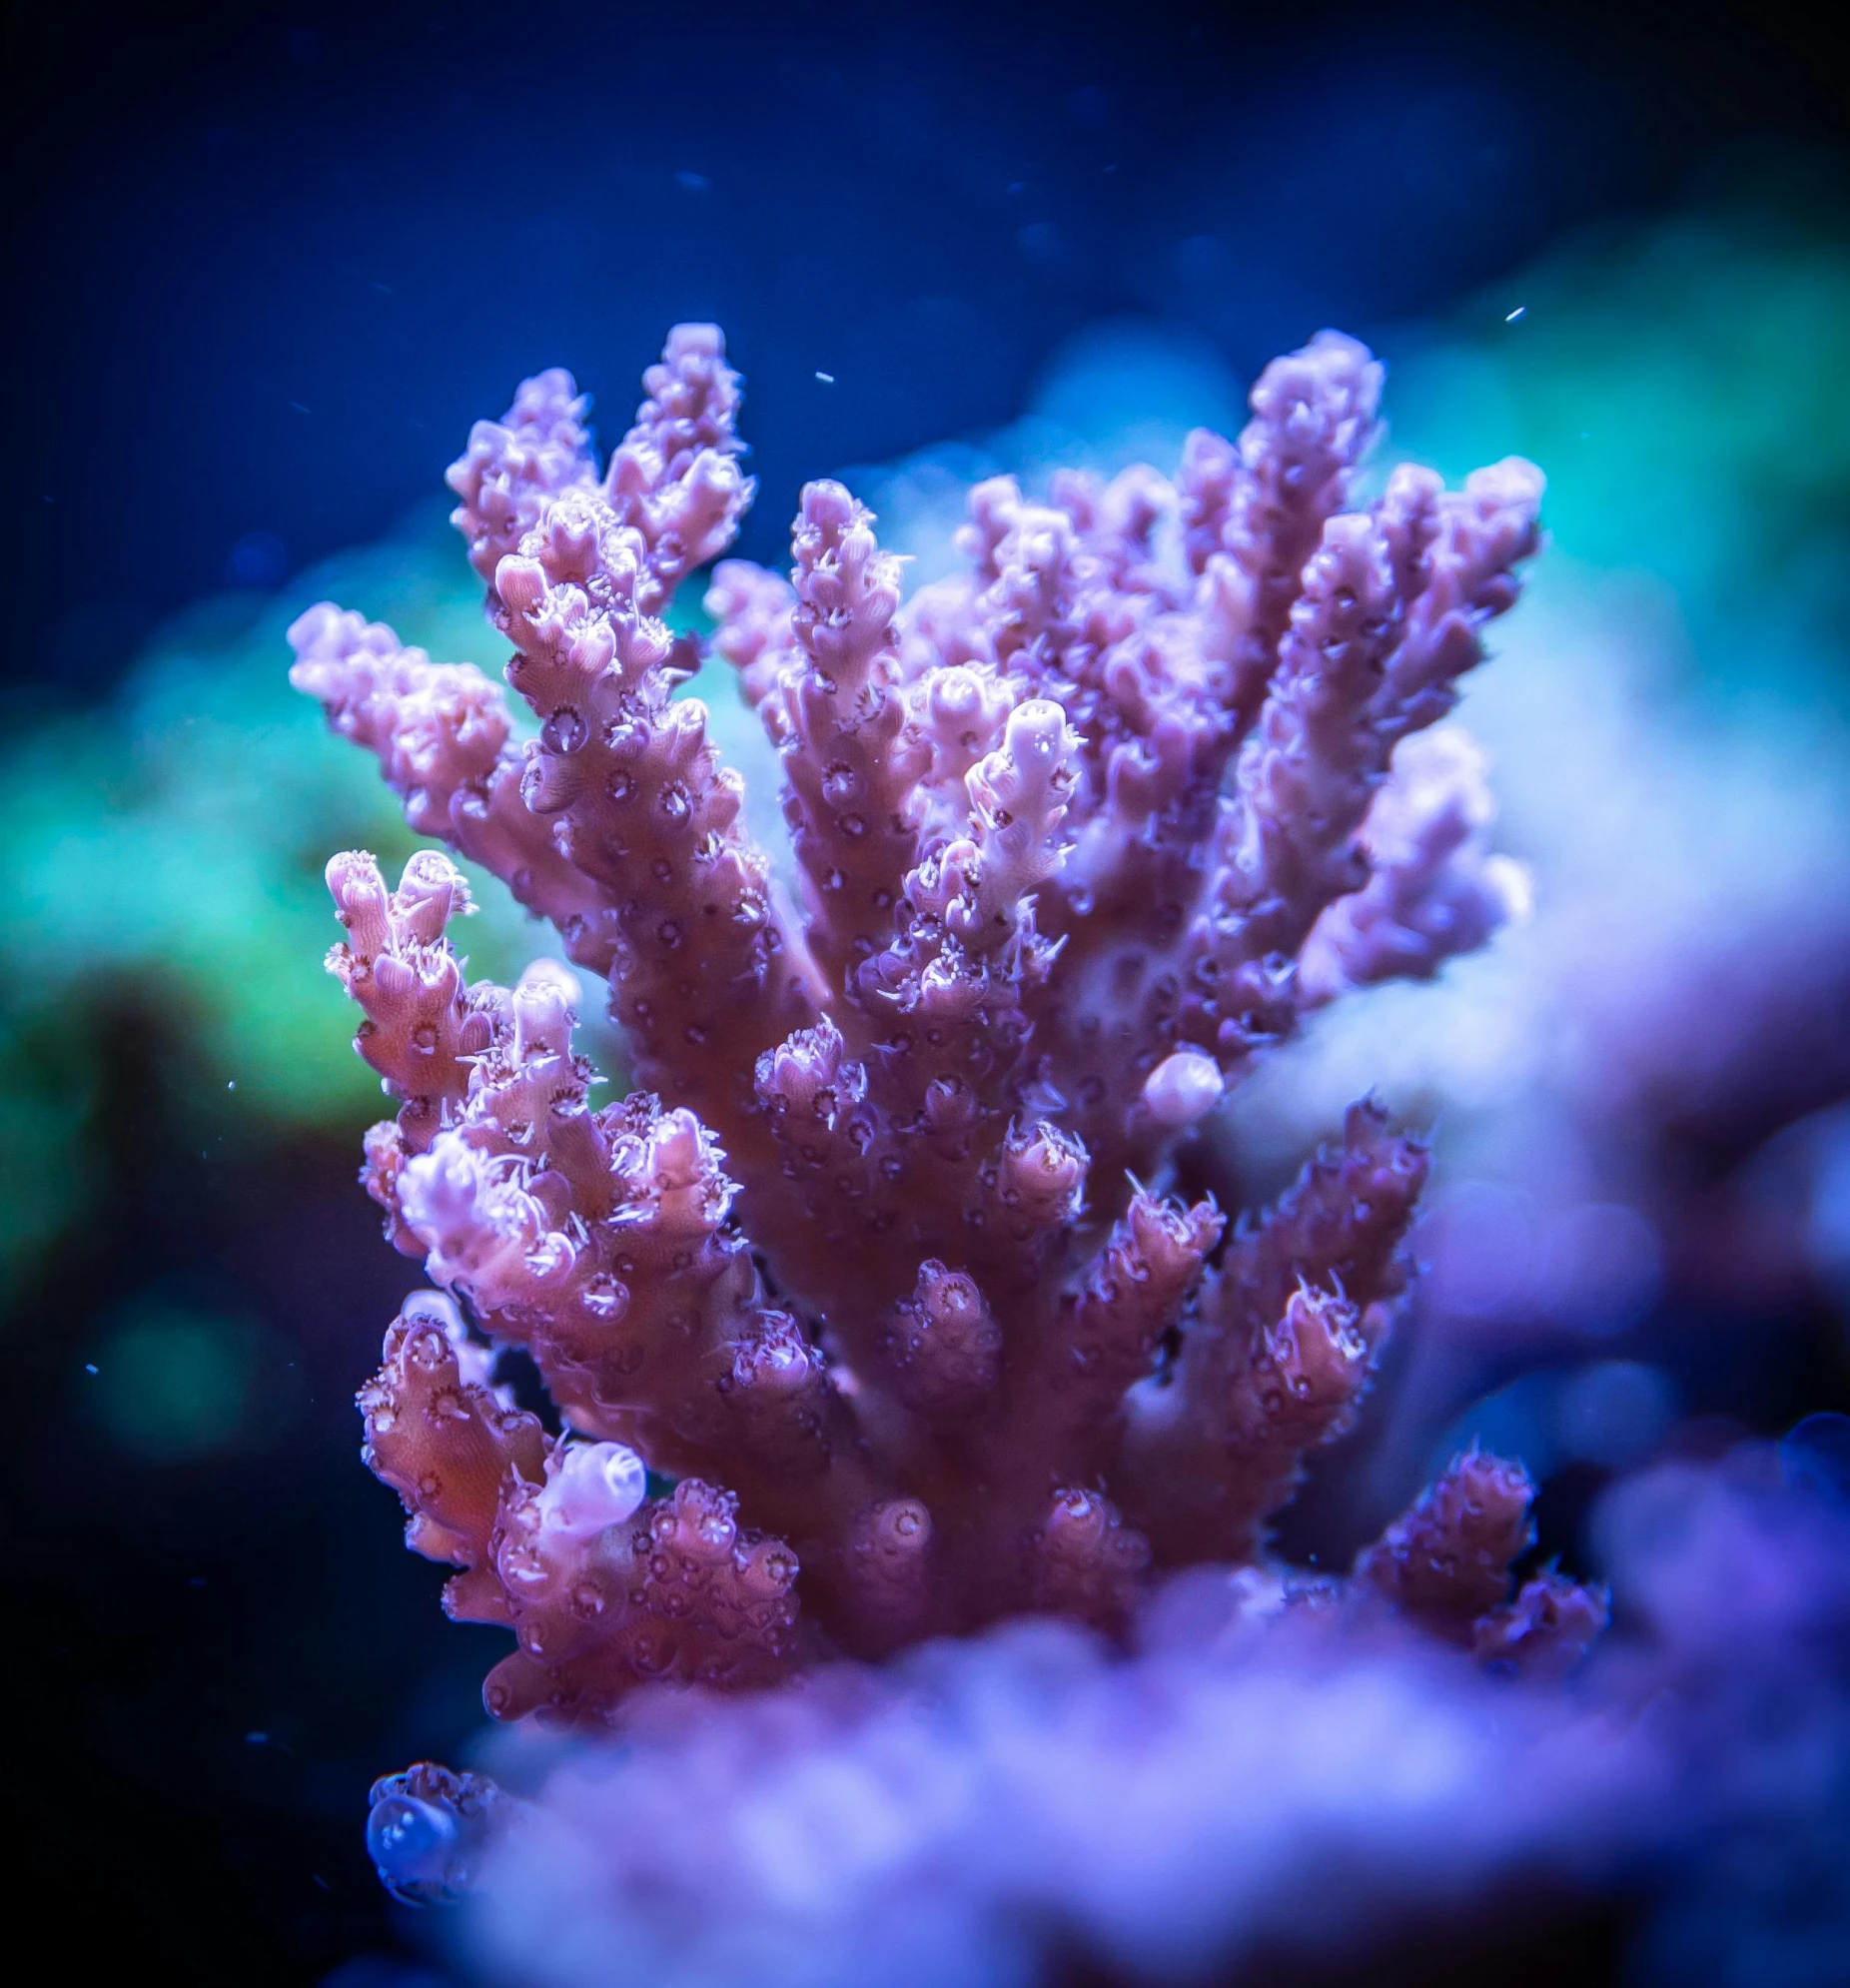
<point x="269" y="268"/>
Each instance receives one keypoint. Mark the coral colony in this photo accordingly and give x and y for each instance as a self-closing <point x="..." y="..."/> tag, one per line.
<point x="875" y="1314"/>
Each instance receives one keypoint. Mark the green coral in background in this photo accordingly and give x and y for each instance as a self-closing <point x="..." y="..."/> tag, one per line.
<point x="1687" y="387"/>
<point x="167" y="847"/>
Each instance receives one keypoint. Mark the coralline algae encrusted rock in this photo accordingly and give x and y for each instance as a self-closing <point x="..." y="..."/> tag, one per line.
<point x="884" y="1263"/>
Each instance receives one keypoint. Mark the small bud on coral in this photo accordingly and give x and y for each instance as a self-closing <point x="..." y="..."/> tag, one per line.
<point x="1183" y="1089"/>
<point x="545" y="1002"/>
<point x="1546" y="1630"/>
<point x="944" y="1344"/>
<point x="1086" y="1562"/>
<point x="593" y="1487"/>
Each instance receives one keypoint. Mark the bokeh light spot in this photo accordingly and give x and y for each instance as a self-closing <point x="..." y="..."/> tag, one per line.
<point x="1602" y="1267"/>
<point x="1614" y="1413"/>
<point x="175" y="1383"/>
<point x="1814" y="1456"/>
<point x="258" y="559"/>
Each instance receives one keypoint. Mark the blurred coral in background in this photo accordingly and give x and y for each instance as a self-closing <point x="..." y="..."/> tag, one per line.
<point x="1242" y="1799"/>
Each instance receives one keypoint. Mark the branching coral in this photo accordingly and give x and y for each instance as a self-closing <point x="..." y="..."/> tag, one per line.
<point x="887" y="1266"/>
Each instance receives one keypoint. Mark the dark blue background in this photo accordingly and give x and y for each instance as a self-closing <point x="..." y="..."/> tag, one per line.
<point x="269" y="267"/>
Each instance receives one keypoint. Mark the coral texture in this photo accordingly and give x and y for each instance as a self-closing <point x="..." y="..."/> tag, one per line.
<point x="887" y="1266"/>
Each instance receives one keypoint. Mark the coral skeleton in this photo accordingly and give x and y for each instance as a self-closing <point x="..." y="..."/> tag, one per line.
<point x="895" y="1301"/>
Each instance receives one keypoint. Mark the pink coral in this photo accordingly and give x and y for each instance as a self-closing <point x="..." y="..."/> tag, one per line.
<point x="886" y="1266"/>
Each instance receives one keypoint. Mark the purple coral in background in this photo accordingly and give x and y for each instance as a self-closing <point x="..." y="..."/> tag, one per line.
<point x="889" y="1270"/>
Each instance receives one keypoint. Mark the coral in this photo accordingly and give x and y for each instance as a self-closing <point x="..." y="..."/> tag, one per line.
<point x="887" y="1266"/>
<point x="1687" y="938"/>
<point x="1253" y="1794"/>
<point x="923" y="1422"/>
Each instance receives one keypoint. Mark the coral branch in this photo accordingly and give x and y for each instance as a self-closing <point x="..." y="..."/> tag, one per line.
<point x="1473" y="540"/>
<point x="538" y="447"/>
<point x="1299" y="1308"/>
<point x="1029" y="1197"/>
<point x="851" y="762"/>
<point x="441" y="1437"/>
<point x="1286" y="845"/>
<point x="644" y="808"/>
<point x="1104" y="1334"/>
<point x="674" y="477"/>
<point x="1253" y="515"/>
<point x="423" y="1025"/>
<point x="1298" y="1388"/>
<point x="1433" y="891"/>
<point x="440" y="732"/>
<point x="1448" y="1560"/>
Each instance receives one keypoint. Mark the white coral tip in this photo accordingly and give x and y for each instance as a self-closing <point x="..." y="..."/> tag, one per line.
<point x="1183" y="1089"/>
<point x="596" y="1485"/>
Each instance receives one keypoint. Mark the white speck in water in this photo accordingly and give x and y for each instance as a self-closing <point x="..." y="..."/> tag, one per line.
<point x="1512" y="317"/>
<point x="233" y="1085"/>
<point x="827" y="379"/>
<point x="89" y="1367"/>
